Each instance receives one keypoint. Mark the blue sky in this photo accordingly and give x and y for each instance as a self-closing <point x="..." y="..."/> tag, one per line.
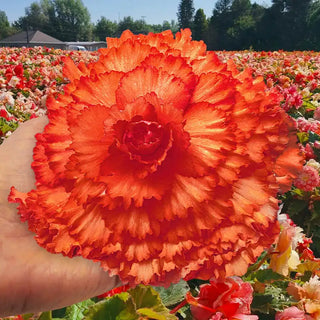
<point x="153" y="11"/>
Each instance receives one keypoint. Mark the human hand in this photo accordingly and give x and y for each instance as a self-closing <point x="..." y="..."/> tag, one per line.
<point x="33" y="279"/>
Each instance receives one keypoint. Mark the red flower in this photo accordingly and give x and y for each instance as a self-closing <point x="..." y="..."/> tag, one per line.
<point x="18" y="70"/>
<point x="228" y="299"/>
<point x="161" y="162"/>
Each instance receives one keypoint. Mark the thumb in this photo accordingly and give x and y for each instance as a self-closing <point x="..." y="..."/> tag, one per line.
<point x="33" y="279"/>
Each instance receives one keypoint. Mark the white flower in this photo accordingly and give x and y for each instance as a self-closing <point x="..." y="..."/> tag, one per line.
<point x="13" y="81"/>
<point x="6" y="98"/>
<point x="313" y="163"/>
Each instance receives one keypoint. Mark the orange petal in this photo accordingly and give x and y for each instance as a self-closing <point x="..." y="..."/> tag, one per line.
<point x="141" y="81"/>
<point x="210" y="134"/>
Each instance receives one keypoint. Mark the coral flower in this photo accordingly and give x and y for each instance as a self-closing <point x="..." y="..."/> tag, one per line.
<point x="291" y="313"/>
<point x="308" y="296"/>
<point x="160" y="162"/>
<point x="223" y="300"/>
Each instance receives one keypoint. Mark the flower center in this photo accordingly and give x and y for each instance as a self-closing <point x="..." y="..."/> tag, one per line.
<point x="143" y="137"/>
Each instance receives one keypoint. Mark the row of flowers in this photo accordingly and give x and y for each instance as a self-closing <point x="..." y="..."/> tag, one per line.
<point x="284" y="283"/>
<point x="27" y="77"/>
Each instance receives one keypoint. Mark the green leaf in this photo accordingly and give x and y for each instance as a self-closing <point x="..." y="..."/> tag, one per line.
<point x="142" y="302"/>
<point x="267" y="275"/>
<point x="313" y="137"/>
<point x="150" y="314"/>
<point x="261" y="302"/>
<point x="309" y="105"/>
<point x="6" y="126"/>
<point x="174" y="294"/>
<point x="76" y="311"/>
<point x="303" y="137"/>
<point x="112" y="308"/>
<point x="148" y="303"/>
<point x="45" y="316"/>
<point x="27" y="316"/>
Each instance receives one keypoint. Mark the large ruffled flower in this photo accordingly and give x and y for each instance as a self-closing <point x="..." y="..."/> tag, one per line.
<point x="161" y="162"/>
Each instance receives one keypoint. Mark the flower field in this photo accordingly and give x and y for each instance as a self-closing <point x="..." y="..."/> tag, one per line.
<point x="284" y="282"/>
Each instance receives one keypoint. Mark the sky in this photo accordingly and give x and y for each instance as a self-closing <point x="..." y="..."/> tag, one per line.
<point x="152" y="11"/>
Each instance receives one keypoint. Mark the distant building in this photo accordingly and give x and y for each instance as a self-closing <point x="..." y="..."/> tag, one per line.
<point x="32" y="39"/>
<point x="38" y="38"/>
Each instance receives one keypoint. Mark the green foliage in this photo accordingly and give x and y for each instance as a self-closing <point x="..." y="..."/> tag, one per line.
<point x="104" y="28"/>
<point x="233" y="25"/>
<point x="6" y="126"/>
<point x="141" y="302"/>
<point x="274" y="298"/>
<point x="174" y="294"/>
<point x="45" y="316"/>
<point x="266" y="275"/>
<point x="76" y="311"/>
<point x="71" y="20"/>
<point x="111" y="309"/>
<point x="135" y="26"/>
<point x="5" y="28"/>
<point x="67" y="20"/>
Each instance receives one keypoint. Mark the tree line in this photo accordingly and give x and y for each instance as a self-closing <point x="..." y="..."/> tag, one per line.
<point x="234" y="24"/>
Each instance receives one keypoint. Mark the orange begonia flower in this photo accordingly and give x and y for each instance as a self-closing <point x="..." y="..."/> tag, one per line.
<point x="161" y="162"/>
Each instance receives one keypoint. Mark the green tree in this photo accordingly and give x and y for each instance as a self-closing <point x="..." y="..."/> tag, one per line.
<point x="185" y="14"/>
<point x="172" y="25"/>
<point x="284" y="25"/>
<point x="200" y="26"/>
<point x="240" y="8"/>
<point x="297" y="12"/>
<point x="5" y="28"/>
<point x="219" y="23"/>
<point x="242" y="32"/>
<point x="67" y="20"/>
<point x="271" y="28"/>
<point x="135" y="26"/>
<point x="70" y="20"/>
<point x="36" y="17"/>
<point x="104" y="28"/>
<point x="313" y="23"/>
<point x="222" y="6"/>
<point x="234" y="25"/>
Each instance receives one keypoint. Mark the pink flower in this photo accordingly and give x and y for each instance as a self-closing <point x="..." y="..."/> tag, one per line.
<point x="316" y="114"/>
<point x="291" y="313"/>
<point x="305" y="125"/>
<point x="307" y="151"/>
<point x="308" y="179"/>
<point x="292" y="98"/>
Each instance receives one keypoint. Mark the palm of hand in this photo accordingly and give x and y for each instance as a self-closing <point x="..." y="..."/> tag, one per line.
<point x="33" y="279"/>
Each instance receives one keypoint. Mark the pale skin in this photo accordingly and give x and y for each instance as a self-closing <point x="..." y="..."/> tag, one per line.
<point x="32" y="279"/>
